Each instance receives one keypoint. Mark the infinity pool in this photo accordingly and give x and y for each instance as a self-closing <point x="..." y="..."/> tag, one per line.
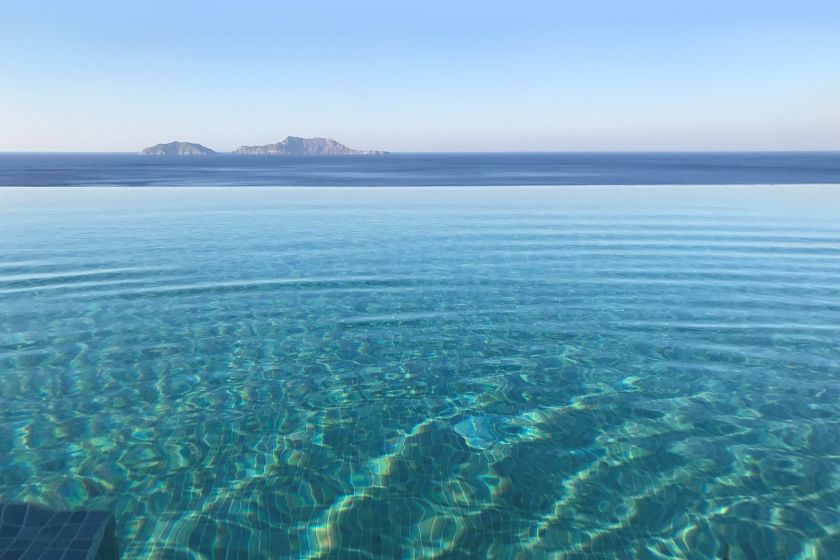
<point x="513" y="373"/>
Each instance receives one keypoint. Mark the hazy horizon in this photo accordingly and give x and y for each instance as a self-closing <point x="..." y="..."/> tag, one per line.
<point x="417" y="152"/>
<point x="94" y="76"/>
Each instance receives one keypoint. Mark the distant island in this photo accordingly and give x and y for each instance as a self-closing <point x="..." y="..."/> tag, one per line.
<point x="178" y="149"/>
<point x="290" y="146"/>
<point x="296" y="146"/>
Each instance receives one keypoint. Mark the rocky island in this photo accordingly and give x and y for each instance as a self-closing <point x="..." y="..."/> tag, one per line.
<point x="291" y="146"/>
<point x="178" y="149"/>
<point x="296" y="146"/>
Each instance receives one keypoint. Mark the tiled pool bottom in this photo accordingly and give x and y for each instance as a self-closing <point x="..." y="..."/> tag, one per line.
<point x="34" y="533"/>
<point x="427" y="373"/>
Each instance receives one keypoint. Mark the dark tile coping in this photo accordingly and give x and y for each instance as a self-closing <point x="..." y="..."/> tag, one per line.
<point x="29" y="532"/>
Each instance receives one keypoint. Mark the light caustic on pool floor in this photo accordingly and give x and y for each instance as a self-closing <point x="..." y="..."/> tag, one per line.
<point x="537" y="374"/>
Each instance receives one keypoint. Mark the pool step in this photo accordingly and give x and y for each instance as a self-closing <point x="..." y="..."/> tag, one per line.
<point x="29" y="532"/>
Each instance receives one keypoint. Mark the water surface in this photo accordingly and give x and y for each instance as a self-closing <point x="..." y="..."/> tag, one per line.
<point x="575" y="372"/>
<point x="480" y="169"/>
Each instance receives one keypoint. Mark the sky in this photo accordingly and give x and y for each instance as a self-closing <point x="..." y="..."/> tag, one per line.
<point x="428" y="76"/>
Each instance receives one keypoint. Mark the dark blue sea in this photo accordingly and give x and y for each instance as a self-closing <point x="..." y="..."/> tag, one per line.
<point x="422" y="169"/>
<point x="486" y="369"/>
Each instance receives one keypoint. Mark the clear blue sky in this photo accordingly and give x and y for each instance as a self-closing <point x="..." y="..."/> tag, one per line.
<point x="421" y="76"/>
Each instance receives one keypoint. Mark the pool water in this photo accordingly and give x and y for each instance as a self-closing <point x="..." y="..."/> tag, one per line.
<point x="511" y="372"/>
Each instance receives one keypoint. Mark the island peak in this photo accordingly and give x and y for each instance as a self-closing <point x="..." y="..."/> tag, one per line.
<point x="178" y="149"/>
<point x="297" y="146"/>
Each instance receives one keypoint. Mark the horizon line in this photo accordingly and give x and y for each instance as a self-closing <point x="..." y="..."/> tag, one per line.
<point x="454" y="152"/>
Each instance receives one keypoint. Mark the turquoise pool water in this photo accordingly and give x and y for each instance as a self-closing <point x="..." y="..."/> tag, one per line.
<point x="574" y="372"/>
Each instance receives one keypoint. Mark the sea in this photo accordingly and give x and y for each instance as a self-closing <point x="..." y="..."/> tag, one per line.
<point x="395" y="170"/>
<point x="508" y="356"/>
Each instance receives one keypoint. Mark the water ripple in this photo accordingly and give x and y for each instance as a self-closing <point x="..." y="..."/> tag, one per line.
<point x="537" y="374"/>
